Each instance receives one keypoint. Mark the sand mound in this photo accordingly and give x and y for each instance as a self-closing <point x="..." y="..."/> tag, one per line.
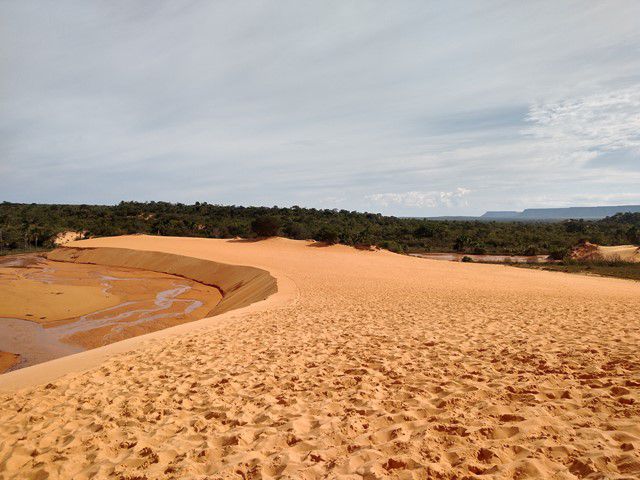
<point x="585" y="251"/>
<point x="379" y="366"/>
<point x="627" y="253"/>
<point x="590" y="251"/>
<point x="70" y="236"/>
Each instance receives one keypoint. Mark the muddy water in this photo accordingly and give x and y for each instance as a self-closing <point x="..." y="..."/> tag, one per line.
<point x="131" y="313"/>
<point x="32" y="342"/>
<point x="35" y="343"/>
<point x="150" y="302"/>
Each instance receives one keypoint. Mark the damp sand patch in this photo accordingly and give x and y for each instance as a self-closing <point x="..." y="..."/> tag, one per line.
<point x="51" y="309"/>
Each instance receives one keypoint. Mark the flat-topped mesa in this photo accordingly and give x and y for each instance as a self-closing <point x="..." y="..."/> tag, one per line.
<point x="239" y="285"/>
<point x="586" y="213"/>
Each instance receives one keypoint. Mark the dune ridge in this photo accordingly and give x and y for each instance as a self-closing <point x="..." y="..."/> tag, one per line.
<point x="590" y="251"/>
<point x="627" y="253"/>
<point x="375" y="365"/>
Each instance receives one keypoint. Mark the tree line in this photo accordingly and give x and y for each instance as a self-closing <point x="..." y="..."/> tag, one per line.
<point x="29" y="226"/>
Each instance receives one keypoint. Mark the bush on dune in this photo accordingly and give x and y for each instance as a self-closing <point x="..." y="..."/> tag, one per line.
<point x="328" y="235"/>
<point x="266" y="226"/>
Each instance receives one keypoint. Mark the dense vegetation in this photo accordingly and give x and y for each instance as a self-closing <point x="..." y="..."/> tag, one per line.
<point x="28" y="226"/>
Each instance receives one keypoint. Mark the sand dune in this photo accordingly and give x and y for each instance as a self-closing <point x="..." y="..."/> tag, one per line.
<point x="628" y="253"/>
<point x="591" y="251"/>
<point x="362" y="365"/>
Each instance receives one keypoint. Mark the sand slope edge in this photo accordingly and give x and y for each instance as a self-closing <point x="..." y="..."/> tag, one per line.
<point x="240" y="285"/>
<point x="242" y="288"/>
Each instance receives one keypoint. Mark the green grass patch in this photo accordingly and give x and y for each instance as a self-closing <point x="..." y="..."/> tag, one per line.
<point x="605" y="268"/>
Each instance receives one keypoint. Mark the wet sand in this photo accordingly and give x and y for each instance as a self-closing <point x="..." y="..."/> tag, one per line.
<point x="35" y="289"/>
<point x="363" y="365"/>
<point x="8" y="360"/>
<point x="51" y="309"/>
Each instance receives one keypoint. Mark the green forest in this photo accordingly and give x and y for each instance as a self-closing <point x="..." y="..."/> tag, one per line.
<point x="25" y="227"/>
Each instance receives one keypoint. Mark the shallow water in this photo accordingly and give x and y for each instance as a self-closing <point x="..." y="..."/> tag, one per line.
<point x="164" y="301"/>
<point x="36" y="343"/>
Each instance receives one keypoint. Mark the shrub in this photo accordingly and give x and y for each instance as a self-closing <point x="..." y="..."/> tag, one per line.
<point x="576" y="226"/>
<point x="328" y="235"/>
<point x="392" y="246"/>
<point x="612" y="261"/>
<point x="461" y="243"/>
<point x="558" y="253"/>
<point x="467" y="259"/>
<point x="296" y="231"/>
<point x="479" y="250"/>
<point x="424" y="231"/>
<point x="236" y="231"/>
<point x="266" y="226"/>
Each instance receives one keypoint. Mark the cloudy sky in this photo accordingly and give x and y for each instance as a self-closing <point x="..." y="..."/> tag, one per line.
<point x="406" y="108"/>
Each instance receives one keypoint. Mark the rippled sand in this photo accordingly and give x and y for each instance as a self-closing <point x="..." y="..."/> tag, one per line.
<point x="363" y="365"/>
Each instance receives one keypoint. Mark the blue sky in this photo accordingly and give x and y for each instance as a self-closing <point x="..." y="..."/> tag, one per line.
<point x="405" y="108"/>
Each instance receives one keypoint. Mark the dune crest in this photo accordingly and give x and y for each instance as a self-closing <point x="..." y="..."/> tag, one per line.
<point x="591" y="251"/>
<point x="627" y="253"/>
<point x="374" y="365"/>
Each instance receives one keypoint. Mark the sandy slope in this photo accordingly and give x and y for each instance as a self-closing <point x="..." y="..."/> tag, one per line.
<point x="591" y="251"/>
<point x="628" y="253"/>
<point x="8" y="360"/>
<point x="382" y="365"/>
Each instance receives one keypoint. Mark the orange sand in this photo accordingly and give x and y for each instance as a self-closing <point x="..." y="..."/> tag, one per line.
<point x="591" y="251"/>
<point x="363" y="365"/>
<point x="54" y="293"/>
<point x="627" y="253"/>
<point x="33" y="299"/>
<point x="8" y="360"/>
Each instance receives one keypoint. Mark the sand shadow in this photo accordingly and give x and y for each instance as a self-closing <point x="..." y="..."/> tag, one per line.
<point x="320" y="244"/>
<point x="247" y="240"/>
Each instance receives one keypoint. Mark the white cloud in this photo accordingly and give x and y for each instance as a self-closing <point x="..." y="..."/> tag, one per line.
<point x="606" y="121"/>
<point x="581" y="200"/>
<point x="416" y="199"/>
<point x="318" y="103"/>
